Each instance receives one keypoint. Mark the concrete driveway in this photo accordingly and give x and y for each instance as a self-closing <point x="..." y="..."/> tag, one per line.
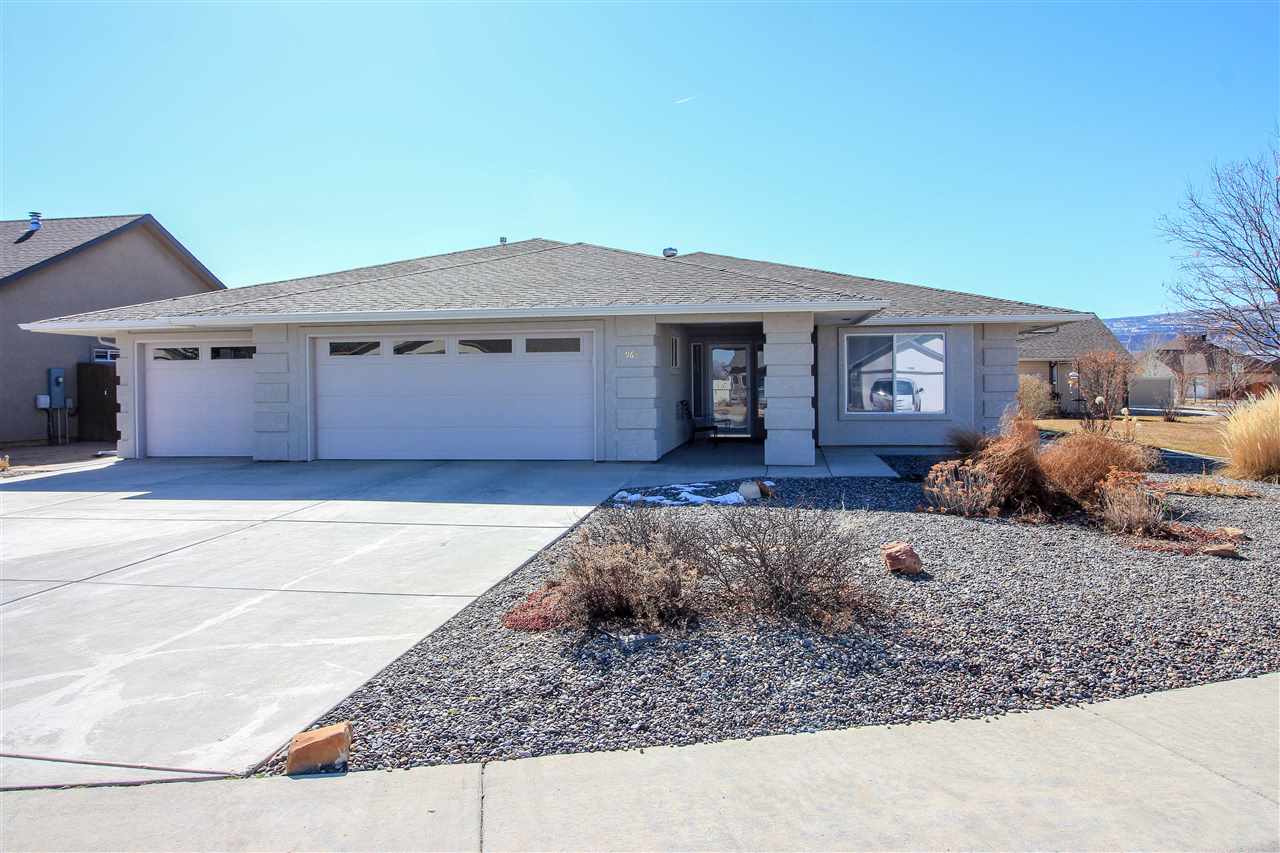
<point x="167" y="619"/>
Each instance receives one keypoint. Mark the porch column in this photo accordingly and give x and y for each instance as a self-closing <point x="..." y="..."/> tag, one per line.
<point x="788" y="389"/>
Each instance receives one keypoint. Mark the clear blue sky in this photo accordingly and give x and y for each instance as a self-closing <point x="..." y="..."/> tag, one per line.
<point x="1014" y="150"/>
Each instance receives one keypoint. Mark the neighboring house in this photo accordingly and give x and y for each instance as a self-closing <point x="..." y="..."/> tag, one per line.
<point x="548" y="350"/>
<point x="1052" y="354"/>
<point x="63" y="266"/>
<point x="1203" y="370"/>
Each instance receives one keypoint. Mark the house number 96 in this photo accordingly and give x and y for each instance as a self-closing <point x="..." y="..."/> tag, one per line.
<point x="631" y="354"/>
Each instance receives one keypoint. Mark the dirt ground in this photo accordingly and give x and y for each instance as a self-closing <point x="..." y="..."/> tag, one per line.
<point x="32" y="458"/>
<point x="1192" y="434"/>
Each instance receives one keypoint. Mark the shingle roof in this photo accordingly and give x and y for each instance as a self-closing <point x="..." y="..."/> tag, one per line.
<point x="532" y="274"/>
<point x="1069" y="341"/>
<point x="905" y="300"/>
<point x="21" y="249"/>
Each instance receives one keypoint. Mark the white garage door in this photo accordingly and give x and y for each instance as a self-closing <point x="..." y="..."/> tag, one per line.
<point x="199" y="400"/>
<point x="480" y="396"/>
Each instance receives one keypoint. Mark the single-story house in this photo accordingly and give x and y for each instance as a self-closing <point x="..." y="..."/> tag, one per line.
<point x="1052" y="354"/>
<point x="66" y="266"/>
<point x="547" y="350"/>
<point x="1203" y="370"/>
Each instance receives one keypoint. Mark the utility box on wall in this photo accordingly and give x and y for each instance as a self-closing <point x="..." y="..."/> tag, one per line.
<point x="57" y="388"/>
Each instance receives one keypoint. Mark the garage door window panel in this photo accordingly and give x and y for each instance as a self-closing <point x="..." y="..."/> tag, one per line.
<point x="175" y="354"/>
<point x="484" y="346"/>
<point x="235" y="353"/>
<point x="421" y="347"/>
<point x="538" y="346"/>
<point x="355" y="348"/>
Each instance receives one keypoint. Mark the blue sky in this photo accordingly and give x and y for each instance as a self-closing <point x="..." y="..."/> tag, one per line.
<point x="1014" y="150"/>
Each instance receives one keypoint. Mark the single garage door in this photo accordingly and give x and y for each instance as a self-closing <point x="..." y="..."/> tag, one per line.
<point x="198" y="400"/>
<point x="478" y="396"/>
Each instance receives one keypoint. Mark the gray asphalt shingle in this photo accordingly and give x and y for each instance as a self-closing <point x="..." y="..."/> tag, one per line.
<point x="529" y="274"/>
<point x="1069" y="341"/>
<point x="905" y="300"/>
<point x="21" y="249"/>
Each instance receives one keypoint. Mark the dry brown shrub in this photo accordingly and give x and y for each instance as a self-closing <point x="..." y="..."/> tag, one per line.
<point x="969" y="442"/>
<point x="1126" y="505"/>
<point x="606" y="581"/>
<point x="959" y="487"/>
<point x="1252" y="436"/>
<point x="792" y="562"/>
<point x="1012" y="464"/>
<point x="1035" y="397"/>
<point x="1078" y="462"/>
<point x="1203" y="487"/>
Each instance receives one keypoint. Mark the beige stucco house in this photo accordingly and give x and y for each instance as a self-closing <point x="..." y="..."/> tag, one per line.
<point x="67" y="266"/>
<point x="548" y="350"/>
<point x="1052" y="354"/>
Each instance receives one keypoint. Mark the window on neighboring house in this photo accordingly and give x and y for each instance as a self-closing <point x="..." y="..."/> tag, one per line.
<point x="552" y="345"/>
<point x="487" y="346"/>
<point x="355" y="348"/>
<point x="228" y="353"/>
<point x="175" y="354"/>
<point x="895" y="374"/>
<point x="432" y="347"/>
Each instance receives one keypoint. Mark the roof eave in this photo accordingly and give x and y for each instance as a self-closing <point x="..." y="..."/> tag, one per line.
<point x="1016" y="319"/>
<point x="222" y="321"/>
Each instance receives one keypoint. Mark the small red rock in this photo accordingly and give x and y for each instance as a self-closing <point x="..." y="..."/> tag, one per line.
<point x="901" y="558"/>
<point x="320" y="750"/>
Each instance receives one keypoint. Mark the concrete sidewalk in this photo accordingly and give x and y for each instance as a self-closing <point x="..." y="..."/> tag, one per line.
<point x="1185" y="769"/>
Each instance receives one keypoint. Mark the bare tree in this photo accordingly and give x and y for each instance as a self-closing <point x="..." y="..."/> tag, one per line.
<point x="1104" y="383"/>
<point x="1230" y="267"/>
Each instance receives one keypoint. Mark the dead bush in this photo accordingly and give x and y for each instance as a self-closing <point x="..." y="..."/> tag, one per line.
<point x="1126" y="505"/>
<point x="606" y="581"/>
<point x="969" y="442"/>
<point x="1035" y="397"/>
<point x="1077" y="463"/>
<point x="792" y="562"/>
<point x="648" y="529"/>
<point x="1011" y="462"/>
<point x="541" y="611"/>
<point x="1203" y="487"/>
<point x="959" y="487"/>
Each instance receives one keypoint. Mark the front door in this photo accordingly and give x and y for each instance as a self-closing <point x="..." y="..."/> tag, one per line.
<point x="731" y="389"/>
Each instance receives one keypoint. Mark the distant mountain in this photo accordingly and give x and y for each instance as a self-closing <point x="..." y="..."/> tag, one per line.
<point x="1139" y="333"/>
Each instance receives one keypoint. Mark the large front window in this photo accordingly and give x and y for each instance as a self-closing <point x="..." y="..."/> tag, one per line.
<point x="897" y="373"/>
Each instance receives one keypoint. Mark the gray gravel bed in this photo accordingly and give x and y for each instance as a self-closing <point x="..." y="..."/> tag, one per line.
<point x="1012" y="617"/>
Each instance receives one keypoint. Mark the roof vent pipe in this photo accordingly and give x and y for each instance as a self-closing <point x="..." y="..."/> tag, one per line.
<point x="669" y="252"/>
<point x="502" y="241"/>
<point x="34" y="224"/>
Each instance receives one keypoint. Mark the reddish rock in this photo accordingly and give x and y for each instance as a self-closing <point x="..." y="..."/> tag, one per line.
<point x="900" y="558"/>
<point x="320" y="750"/>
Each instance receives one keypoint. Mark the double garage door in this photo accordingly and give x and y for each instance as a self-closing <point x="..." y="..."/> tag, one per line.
<point x="473" y="396"/>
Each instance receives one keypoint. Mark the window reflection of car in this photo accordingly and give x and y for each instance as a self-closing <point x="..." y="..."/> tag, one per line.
<point x="907" y="398"/>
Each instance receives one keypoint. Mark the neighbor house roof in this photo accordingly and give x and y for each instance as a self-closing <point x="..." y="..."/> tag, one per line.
<point x="1069" y="341"/>
<point x="529" y="278"/>
<point x="23" y="250"/>
<point x="906" y="301"/>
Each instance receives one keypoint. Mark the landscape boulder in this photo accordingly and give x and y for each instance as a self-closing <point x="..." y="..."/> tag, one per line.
<point x="320" y="750"/>
<point x="901" y="559"/>
<point x="1220" y="549"/>
<point x="750" y="490"/>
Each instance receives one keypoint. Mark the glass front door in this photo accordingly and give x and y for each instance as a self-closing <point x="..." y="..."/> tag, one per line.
<point x="731" y="389"/>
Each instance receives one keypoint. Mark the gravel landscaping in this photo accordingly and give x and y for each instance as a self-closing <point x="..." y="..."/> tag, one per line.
<point x="1011" y="616"/>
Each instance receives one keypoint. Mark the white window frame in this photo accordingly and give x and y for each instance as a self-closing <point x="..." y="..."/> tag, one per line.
<point x="675" y="352"/>
<point x="846" y="412"/>
<point x="697" y="403"/>
<point x="105" y="355"/>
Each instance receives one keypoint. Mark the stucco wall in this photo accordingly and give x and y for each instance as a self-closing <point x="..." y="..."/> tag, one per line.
<point x="964" y="349"/>
<point x="130" y="267"/>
